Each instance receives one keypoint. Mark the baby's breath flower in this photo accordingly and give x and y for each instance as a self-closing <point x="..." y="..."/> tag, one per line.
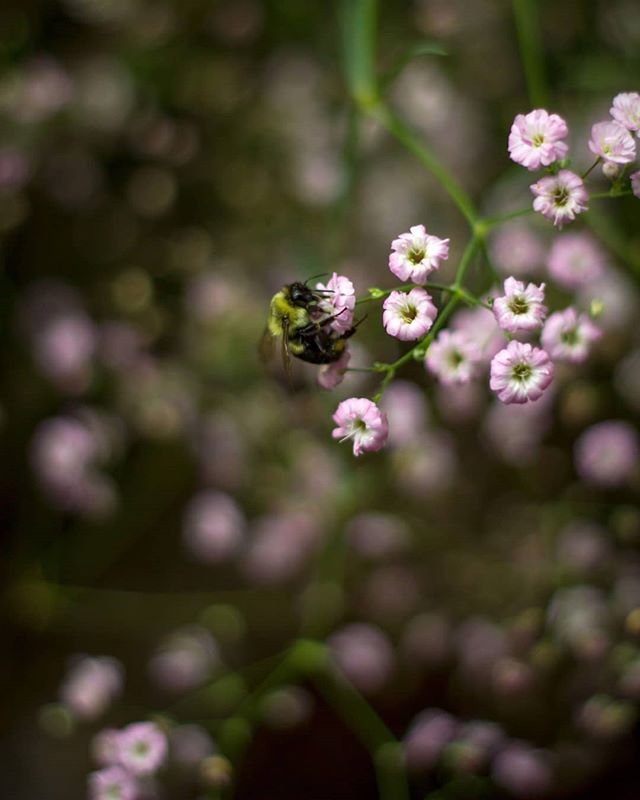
<point x="536" y="139"/>
<point x="453" y="357"/>
<point x="112" y="783"/>
<point x="521" y="308"/>
<point x="626" y="110"/>
<point x="362" y="421"/>
<point x="330" y="375"/>
<point x="613" y="142"/>
<point x="408" y="316"/>
<point x="339" y="301"/>
<point x="520" y="373"/>
<point x="416" y="254"/>
<point x="576" y="260"/>
<point x="567" y="336"/>
<point x="142" y="748"/>
<point x="560" y="197"/>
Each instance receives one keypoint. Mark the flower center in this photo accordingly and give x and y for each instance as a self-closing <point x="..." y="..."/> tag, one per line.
<point x="538" y="140"/>
<point x="360" y="426"/>
<point x="570" y="337"/>
<point x="561" y="196"/>
<point x="141" y="748"/>
<point x="416" y="254"/>
<point x="409" y="313"/>
<point x="518" y="304"/>
<point x="455" y="358"/>
<point x="522" y="371"/>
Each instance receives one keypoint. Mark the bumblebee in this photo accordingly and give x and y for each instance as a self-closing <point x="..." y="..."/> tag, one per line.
<point x="295" y="318"/>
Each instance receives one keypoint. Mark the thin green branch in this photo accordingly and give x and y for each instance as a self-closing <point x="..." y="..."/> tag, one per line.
<point x="531" y="50"/>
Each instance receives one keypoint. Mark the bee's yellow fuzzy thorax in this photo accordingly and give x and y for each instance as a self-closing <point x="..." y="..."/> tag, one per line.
<point x="281" y="308"/>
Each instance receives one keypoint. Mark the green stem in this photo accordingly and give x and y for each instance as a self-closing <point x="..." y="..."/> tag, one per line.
<point x="531" y="50"/>
<point x="415" y="144"/>
<point x="591" y="168"/>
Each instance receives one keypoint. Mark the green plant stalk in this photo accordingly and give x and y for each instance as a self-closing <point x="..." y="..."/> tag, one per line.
<point x="531" y="50"/>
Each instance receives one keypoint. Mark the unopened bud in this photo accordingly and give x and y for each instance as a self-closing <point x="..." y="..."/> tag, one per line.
<point x="610" y="170"/>
<point x="216" y="771"/>
<point x="596" y="308"/>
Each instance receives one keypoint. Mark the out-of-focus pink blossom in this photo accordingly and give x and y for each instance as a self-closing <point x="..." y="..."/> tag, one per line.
<point x="453" y="357"/>
<point x="405" y="407"/>
<point x="184" y="660"/>
<point x="536" y="138"/>
<point x="607" y="454"/>
<point x="480" y="326"/>
<point x="560" y="197"/>
<point x="517" y="250"/>
<point x="104" y="747"/>
<point x="520" y="373"/>
<point x="514" y="431"/>
<point x="568" y="336"/>
<point x="427" y="737"/>
<point x="362" y="421"/>
<point x="523" y="771"/>
<point x="459" y="402"/>
<point x="579" y="617"/>
<point x="613" y="142"/>
<point x="339" y="302"/>
<point x="142" y="748"/>
<point x="279" y="546"/>
<point x="190" y="744"/>
<point x="331" y="375"/>
<point x="376" y="535"/>
<point x="408" y="316"/>
<point x="91" y="685"/>
<point x="416" y="254"/>
<point x="626" y="110"/>
<point x="583" y="546"/>
<point x="635" y="183"/>
<point x="521" y="308"/>
<point x="426" y="465"/>
<point x="576" y="260"/>
<point x="364" y="654"/>
<point x="112" y="783"/>
<point x="213" y="526"/>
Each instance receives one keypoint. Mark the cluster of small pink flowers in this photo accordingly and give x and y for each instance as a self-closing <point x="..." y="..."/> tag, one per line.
<point x="537" y="141"/>
<point x="126" y="756"/>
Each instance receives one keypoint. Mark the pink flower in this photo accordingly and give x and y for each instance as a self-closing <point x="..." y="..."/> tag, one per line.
<point x="560" y="197"/>
<point x="416" y="254"/>
<point x="142" y="748"/>
<point x="364" y="654"/>
<point x="404" y="404"/>
<point x="427" y="737"/>
<point x="613" y="142"/>
<point x="339" y="302"/>
<point x="536" y="139"/>
<point x="112" y="783"/>
<point x="91" y="685"/>
<point x="361" y="420"/>
<point x="567" y="336"/>
<point x="408" y="316"/>
<point x="453" y="357"/>
<point x="479" y="324"/>
<point x="330" y="375"/>
<point x="522" y="771"/>
<point x="607" y="454"/>
<point x="517" y="250"/>
<point x="521" y="309"/>
<point x="213" y="526"/>
<point x="520" y="373"/>
<point x="626" y="110"/>
<point x="576" y="260"/>
<point x="635" y="183"/>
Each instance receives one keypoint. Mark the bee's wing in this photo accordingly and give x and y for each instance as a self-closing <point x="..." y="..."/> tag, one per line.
<point x="266" y="346"/>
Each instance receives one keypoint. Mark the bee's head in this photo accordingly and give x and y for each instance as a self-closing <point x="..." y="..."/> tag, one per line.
<point x="302" y="295"/>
